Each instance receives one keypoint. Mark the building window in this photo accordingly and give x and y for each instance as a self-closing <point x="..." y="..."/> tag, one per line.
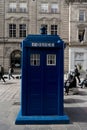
<point x="54" y="8"/>
<point x="79" y="59"/>
<point x="44" y="25"/>
<point x="12" y="30"/>
<point x="54" y="29"/>
<point x="12" y="7"/>
<point x="44" y="7"/>
<point x="22" y="30"/>
<point x="35" y="59"/>
<point x="81" y="33"/>
<point x="16" y="59"/>
<point x="51" y="59"/>
<point x="23" y="7"/>
<point x="81" y="15"/>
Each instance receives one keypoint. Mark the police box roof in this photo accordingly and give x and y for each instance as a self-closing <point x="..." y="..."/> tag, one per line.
<point x="43" y="41"/>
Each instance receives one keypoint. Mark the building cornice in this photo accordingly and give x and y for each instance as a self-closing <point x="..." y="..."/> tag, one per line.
<point x="17" y="18"/>
<point x="83" y="44"/>
<point x="49" y="19"/>
<point x="72" y="1"/>
<point x="43" y="18"/>
<point x="82" y="25"/>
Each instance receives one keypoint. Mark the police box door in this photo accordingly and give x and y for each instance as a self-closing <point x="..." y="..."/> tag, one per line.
<point x="42" y="82"/>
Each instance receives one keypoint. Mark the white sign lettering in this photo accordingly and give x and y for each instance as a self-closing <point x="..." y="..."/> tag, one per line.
<point x="43" y="44"/>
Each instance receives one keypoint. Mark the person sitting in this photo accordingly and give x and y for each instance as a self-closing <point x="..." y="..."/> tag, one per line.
<point x="84" y="82"/>
<point x="70" y="83"/>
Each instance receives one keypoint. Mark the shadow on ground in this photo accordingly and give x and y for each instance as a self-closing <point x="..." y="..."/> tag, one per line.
<point x="73" y="101"/>
<point x="77" y="114"/>
<point x="82" y="93"/>
<point x="8" y="83"/>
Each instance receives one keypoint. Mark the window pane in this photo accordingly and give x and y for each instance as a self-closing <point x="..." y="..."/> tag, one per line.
<point x="44" y="7"/>
<point x="12" y="30"/>
<point x="35" y="59"/>
<point x="81" y="15"/>
<point x="23" y="7"/>
<point x="12" y="7"/>
<point x="81" y="33"/>
<point x="53" y="29"/>
<point x="44" y="25"/>
<point x="79" y="59"/>
<point x="54" y="8"/>
<point x="22" y="30"/>
<point x="51" y="59"/>
<point x="14" y="26"/>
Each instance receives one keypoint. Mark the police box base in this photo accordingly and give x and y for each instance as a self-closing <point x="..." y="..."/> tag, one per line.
<point x="21" y="120"/>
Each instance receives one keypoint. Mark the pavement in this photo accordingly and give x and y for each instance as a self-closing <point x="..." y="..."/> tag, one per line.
<point x="75" y="106"/>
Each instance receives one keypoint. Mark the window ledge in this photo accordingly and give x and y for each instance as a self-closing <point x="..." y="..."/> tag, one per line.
<point x="49" y="13"/>
<point x="17" y="12"/>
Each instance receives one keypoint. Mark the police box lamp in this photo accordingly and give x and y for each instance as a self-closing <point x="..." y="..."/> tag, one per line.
<point x="42" y="82"/>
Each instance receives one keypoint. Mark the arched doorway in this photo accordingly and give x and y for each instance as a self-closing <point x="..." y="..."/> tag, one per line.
<point x="15" y="59"/>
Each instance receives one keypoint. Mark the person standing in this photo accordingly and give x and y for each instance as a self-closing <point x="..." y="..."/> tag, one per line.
<point x="10" y="73"/>
<point x="2" y="73"/>
<point x="77" y="73"/>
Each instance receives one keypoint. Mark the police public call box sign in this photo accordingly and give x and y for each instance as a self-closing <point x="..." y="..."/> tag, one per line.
<point x="42" y="81"/>
<point x="43" y="45"/>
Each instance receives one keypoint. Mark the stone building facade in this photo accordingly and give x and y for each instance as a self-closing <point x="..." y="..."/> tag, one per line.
<point x="78" y="34"/>
<point x="18" y="18"/>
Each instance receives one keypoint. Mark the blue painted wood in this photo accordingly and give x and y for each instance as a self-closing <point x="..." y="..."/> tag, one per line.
<point x="21" y="120"/>
<point x="42" y="86"/>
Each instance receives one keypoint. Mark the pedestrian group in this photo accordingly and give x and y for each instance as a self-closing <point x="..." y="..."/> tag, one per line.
<point x="73" y="79"/>
<point x="10" y="73"/>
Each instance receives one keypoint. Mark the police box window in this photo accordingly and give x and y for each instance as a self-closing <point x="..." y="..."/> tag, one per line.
<point x="35" y="59"/>
<point x="51" y="59"/>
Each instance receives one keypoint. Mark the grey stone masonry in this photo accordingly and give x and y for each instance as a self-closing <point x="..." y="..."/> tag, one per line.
<point x="2" y="18"/>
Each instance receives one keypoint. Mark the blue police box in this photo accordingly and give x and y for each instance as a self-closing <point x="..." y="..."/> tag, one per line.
<point x="42" y="83"/>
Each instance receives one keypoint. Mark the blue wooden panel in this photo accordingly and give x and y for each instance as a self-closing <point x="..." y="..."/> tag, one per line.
<point x="35" y="102"/>
<point x="35" y="86"/>
<point x="51" y="87"/>
<point x="42" y="86"/>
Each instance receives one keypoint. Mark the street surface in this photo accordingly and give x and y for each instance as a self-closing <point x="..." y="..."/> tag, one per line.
<point x="75" y="106"/>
